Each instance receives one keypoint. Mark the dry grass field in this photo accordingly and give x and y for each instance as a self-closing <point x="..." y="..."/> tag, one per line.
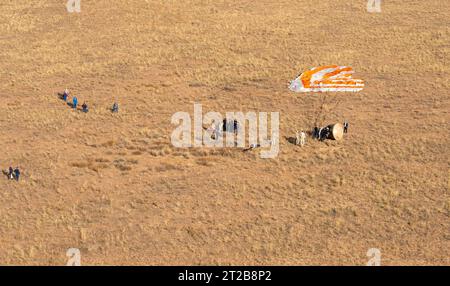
<point x="115" y="187"/>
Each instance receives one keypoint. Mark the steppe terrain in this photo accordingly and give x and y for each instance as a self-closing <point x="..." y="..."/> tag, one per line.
<point x="113" y="185"/>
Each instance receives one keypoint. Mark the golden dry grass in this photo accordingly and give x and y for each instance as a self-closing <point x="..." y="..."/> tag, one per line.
<point x="114" y="187"/>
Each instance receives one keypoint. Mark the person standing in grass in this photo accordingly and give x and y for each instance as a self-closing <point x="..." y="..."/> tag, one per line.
<point x="115" y="108"/>
<point x="316" y="132"/>
<point x="302" y="138"/>
<point x="345" y="126"/>
<point x="17" y="173"/>
<point x="65" y="94"/>
<point x="10" y="173"/>
<point x="85" y="108"/>
<point x="235" y="127"/>
<point x="75" y="102"/>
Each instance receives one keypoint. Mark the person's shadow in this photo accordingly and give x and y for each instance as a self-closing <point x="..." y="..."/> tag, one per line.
<point x="61" y="96"/>
<point x="6" y="173"/>
<point x="290" y="139"/>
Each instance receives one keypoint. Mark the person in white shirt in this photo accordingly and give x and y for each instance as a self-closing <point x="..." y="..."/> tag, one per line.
<point x="300" y="138"/>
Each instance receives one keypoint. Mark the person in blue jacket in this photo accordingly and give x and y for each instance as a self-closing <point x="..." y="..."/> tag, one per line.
<point x="17" y="173"/>
<point x="75" y="102"/>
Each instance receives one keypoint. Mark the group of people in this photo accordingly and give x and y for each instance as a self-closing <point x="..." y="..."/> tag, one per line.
<point x="317" y="133"/>
<point x="323" y="133"/>
<point x="84" y="106"/>
<point x="227" y="126"/>
<point x="230" y="125"/>
<point x="13" y="174"/>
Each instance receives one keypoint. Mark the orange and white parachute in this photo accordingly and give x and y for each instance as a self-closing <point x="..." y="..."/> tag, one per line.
<point x="327" y="78"/>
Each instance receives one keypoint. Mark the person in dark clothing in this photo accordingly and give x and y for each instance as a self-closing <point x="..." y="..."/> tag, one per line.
<point x="224" y="125"/>
<point x="324" y="133"/>
<point x="75" y="102"/>
<point x="115" y="108"/>
<point x="316" y="132"/>
<point x="345" y="126"/>
<point x="85" y="107"/>
<point x="11" y="173"/>
<point x="235" y="126"/>
<point x="230" y="126"/>
<point x="17" y="173"/>
<point x="327" y="133"/>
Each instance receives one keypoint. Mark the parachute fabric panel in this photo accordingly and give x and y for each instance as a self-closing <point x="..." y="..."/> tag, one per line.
<point x="332" y="78"/>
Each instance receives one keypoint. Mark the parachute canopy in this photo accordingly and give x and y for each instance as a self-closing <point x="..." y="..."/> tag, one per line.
<point x="327" y="78"/>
